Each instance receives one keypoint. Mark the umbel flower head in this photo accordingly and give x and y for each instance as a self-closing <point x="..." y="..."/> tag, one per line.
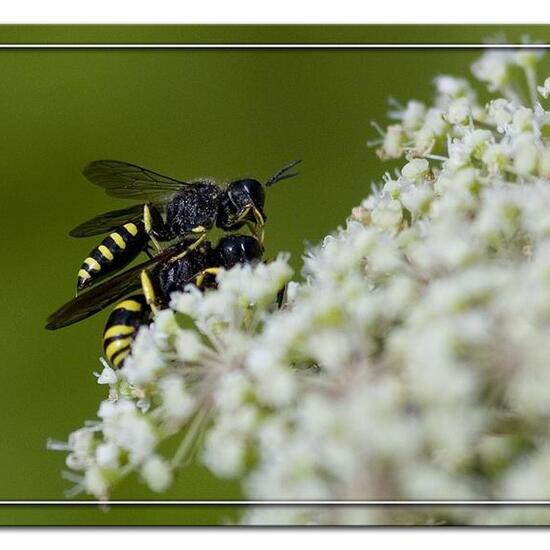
<point x="410" y="363"/>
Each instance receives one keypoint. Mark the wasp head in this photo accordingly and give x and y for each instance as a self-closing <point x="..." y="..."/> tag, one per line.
<point x="239" y="249"/>
<point x="248" y="198"/>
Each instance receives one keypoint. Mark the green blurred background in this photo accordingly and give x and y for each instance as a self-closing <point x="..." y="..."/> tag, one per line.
<point x="187" y="113"/>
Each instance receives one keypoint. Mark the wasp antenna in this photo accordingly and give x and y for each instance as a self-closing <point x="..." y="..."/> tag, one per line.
<point x="283" y="173"/>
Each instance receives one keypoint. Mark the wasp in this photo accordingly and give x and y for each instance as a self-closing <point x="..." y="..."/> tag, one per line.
<point x="146" y="288"/>
<point x="190" y="208"/>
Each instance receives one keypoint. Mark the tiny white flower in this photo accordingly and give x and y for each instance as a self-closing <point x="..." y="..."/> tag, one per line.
<point x="388" y="214"/>
<point x="522" y="120"/>
<point x="416" y="198"/>
<point x="497" y="157"/>
<point x="186" y="302"/>
<point x="528" y="58"/>
<point x="501" y="112"/>
<point x="416" y="170"/>
<point x="275" y="385"/>
<point x="157" y="473"/>
<point x="189" y="345"/>
<point x="81" y="444"/>
<point x="544" y="90"/>
<point x="164" y="327"/>
<point x="107" y="455"/>
<point x="477" y="141"/>
<point x="128" y="428"/>
<point x="544" y="163"/>
<point x="494" y="68"/>
<point x="525" y="159"/>
<point x="392" y="146"/>
<point x="107" y="376"/>
<point x="146" y="361"/>
<point x="451" y="86"/>
<point x="234" y="389"/>
<point x="96" y="483"/>
<point x="292" y="291"/>
<point x="458" y="111"/>
<point x="413" y="115"/>
<point x="177" y="401"/>
<point x="224" y="452"/>
<point x="435" y="121"/>
<point x="424" y="141"/>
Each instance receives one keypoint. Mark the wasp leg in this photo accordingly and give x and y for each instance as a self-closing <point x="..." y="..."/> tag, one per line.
<point x="258" y="216"/>
<point x="151" y="250"/>
<point x="256" y="227"/>
<point x="191" y="247"/>
<point x="149" y="291"/>
<point x="281" y="296"/>
<point x="157" y="229"/>
<point x="147" y="284"/>
<point x="257" y="231"/>
<point x="199" y="279"/>
<point x="154" y="225"/>
<point x="259" y="228"/>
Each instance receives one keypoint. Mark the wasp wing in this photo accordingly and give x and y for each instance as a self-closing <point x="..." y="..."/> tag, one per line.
<point x="128" y="181"/>
<point x="103" y="294"/>
<point x="93" y="300"/>
<point x="107" y="221"/>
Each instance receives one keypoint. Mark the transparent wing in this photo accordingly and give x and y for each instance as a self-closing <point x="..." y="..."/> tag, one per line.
<point x="103" y="294"/>
<point x="93" y="300"/>
<point x="107" y="221"/>
<point x="128" y="181"/>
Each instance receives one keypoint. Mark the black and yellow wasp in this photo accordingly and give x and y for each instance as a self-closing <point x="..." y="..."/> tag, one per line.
<point x="146" y="288"/>
<point x="190" y="208"/>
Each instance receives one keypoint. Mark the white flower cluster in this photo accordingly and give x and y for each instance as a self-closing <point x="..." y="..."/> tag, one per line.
<point x="413" y="361"/>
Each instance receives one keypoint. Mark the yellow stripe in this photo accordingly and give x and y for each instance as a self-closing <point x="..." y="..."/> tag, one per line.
<point x="120" y="358"/>
<point x="131" y="228"/>
<point x="118" y="240"/>
<point x="105" y="252"/>
<point x="84" y="274"/>
<point x="94" y="265"/>
<point x="118" y="330"/>
<point x="130" y="305"/>
<point x="117" y="345"/>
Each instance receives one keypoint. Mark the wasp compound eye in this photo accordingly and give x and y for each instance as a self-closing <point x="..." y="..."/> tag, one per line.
<point x="239" y="249"/>
<point x="252" y="249"/>
<point x="246" y="191"/>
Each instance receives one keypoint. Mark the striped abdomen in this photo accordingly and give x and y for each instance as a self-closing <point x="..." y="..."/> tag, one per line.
<point x="122" y="326"/>
<point x="114" y="252"/>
